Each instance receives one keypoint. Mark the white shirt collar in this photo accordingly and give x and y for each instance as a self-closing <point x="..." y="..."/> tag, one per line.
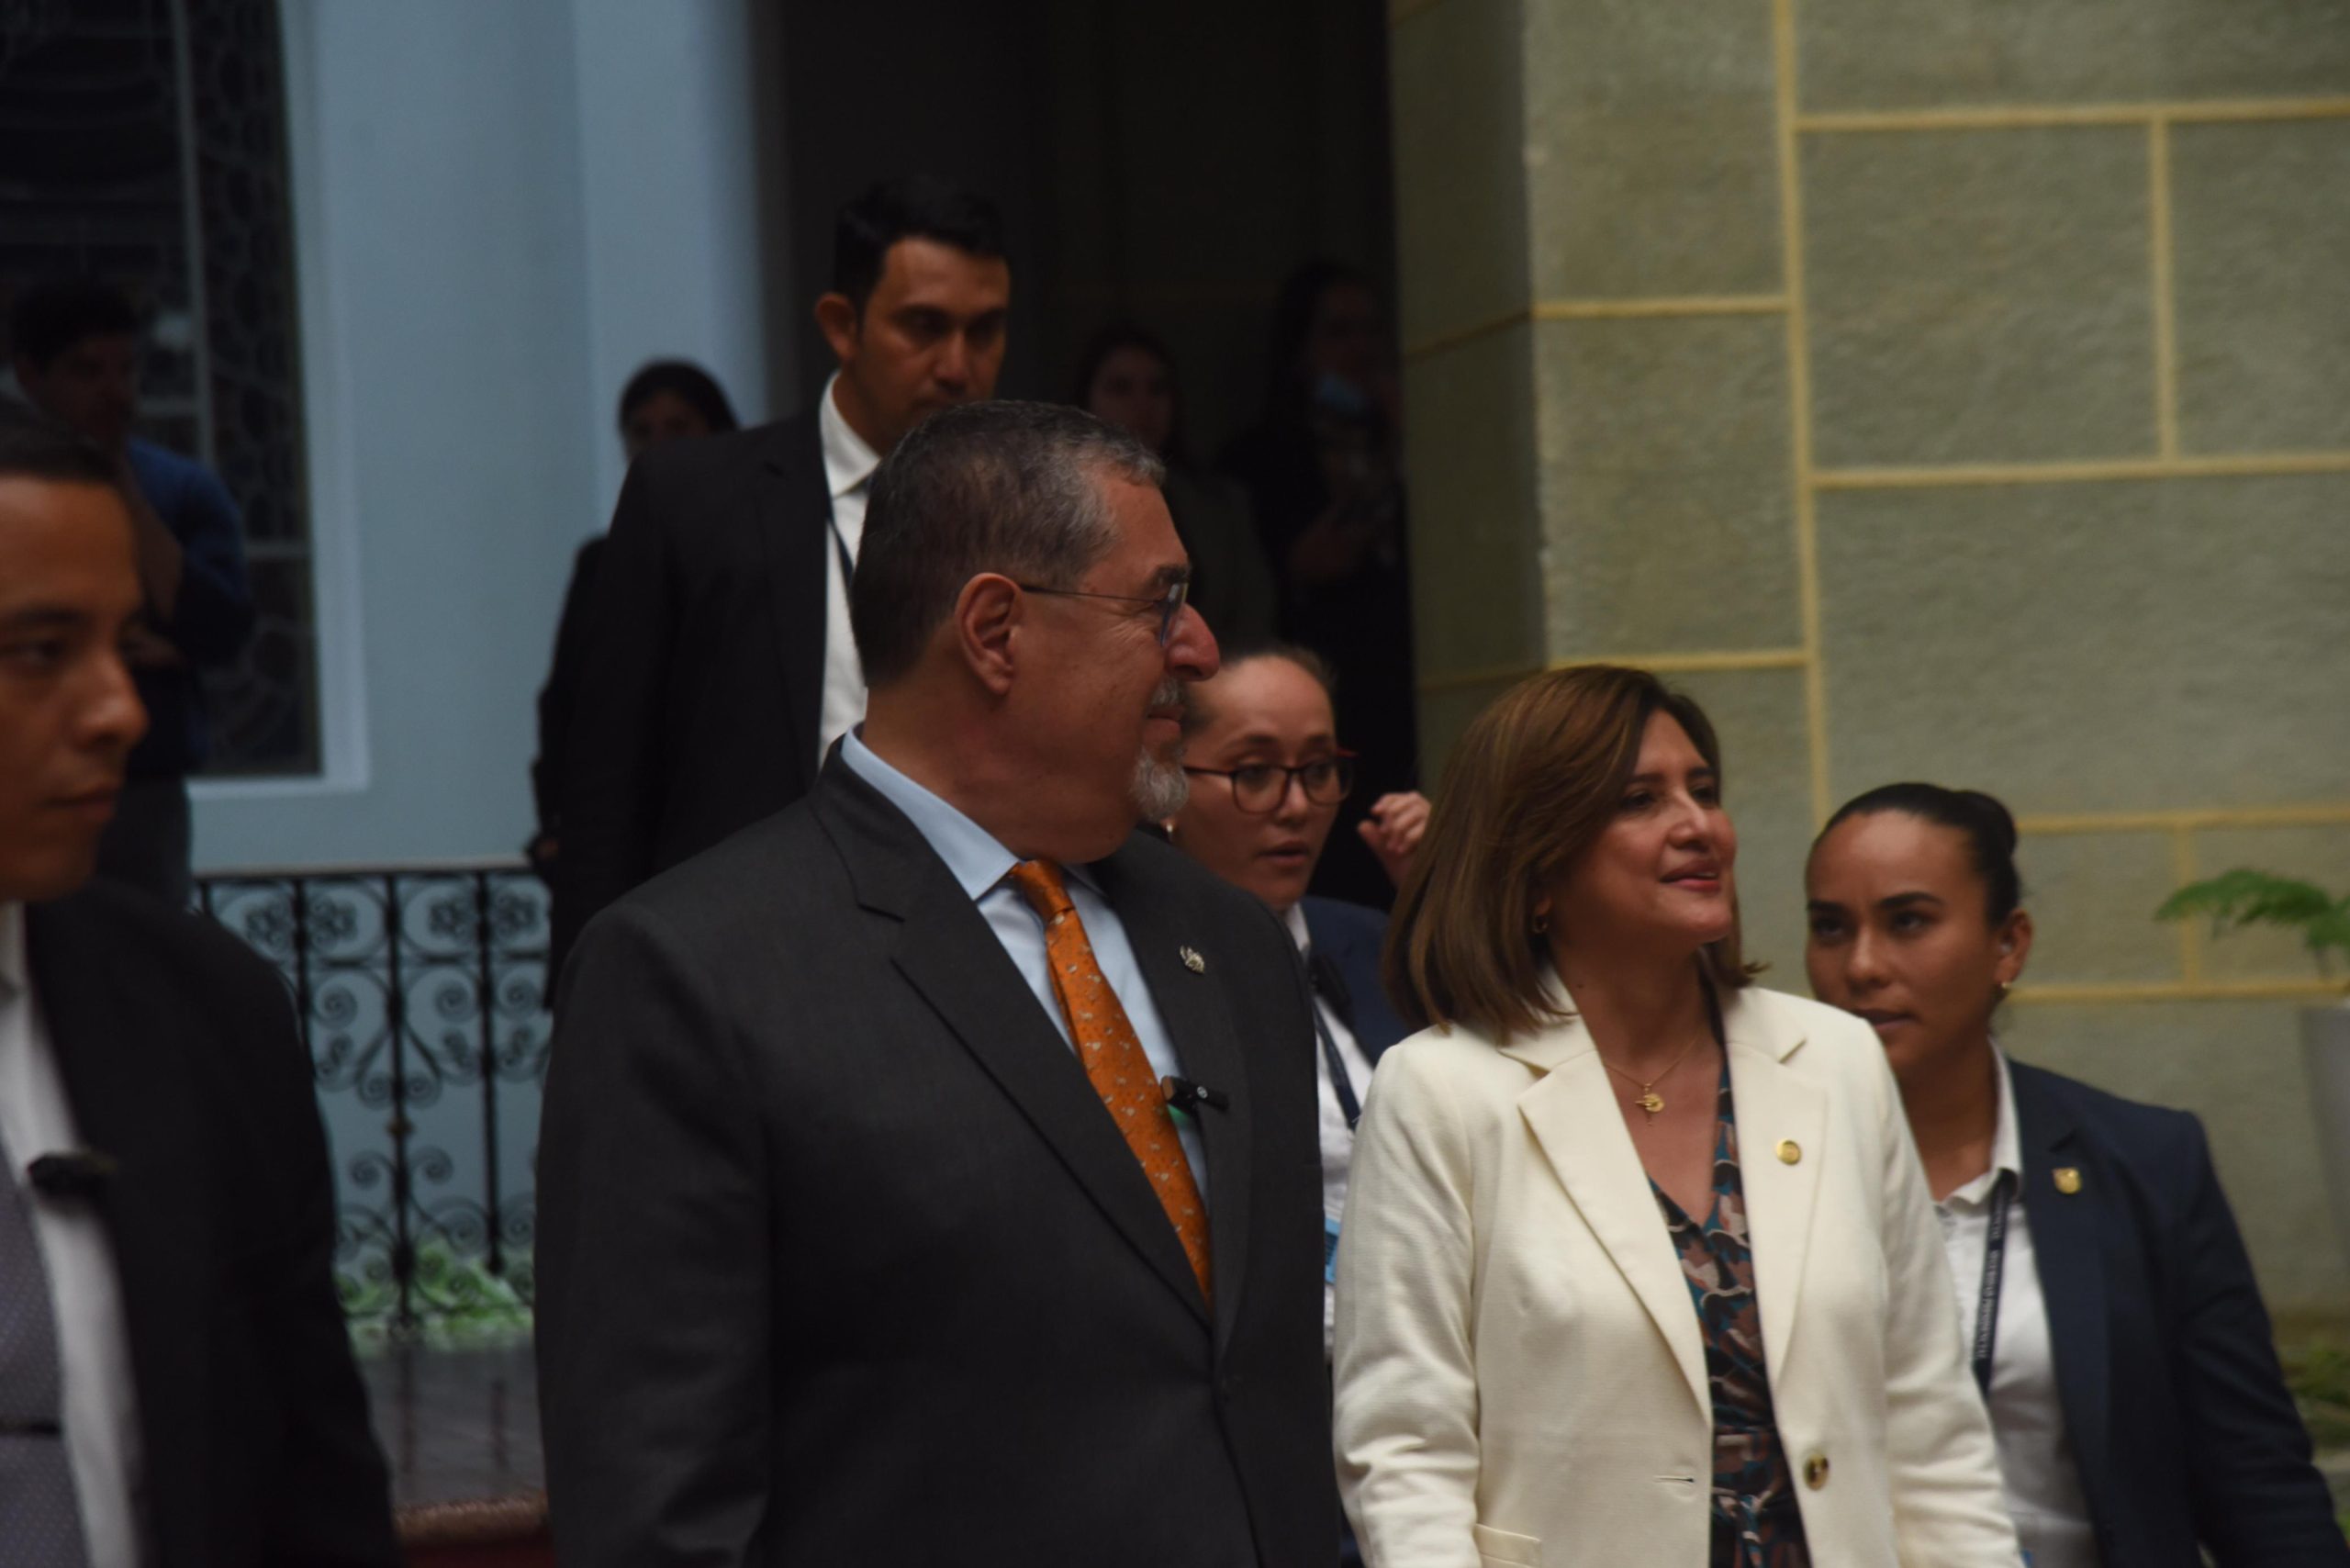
<point x="848" y="462"/>
<point x="2006" y="1141"/>
<point x="13" y="980"/>
<point x="1293" y="917"/>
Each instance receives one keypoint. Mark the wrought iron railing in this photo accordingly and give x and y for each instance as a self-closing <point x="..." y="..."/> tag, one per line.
<point x="422" y="993"/>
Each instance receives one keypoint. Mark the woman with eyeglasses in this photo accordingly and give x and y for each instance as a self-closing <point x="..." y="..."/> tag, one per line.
<point x="1267" y="775"/>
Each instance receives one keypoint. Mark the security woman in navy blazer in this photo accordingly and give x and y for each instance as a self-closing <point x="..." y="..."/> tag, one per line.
<point x="2116" y="1328"/>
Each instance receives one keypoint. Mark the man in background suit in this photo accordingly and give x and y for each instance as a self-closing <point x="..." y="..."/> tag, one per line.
<point x="719" y="666"/>
<point x="929" y="1171"/>
<point x="176" y="1387"/>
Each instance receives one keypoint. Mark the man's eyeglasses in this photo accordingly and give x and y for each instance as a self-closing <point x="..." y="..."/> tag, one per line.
<point x="1262" y="786"/>
<point x="1170" y="603"/>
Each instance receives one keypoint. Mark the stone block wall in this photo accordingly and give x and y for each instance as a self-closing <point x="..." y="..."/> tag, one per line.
<point x="1952" y="389"/>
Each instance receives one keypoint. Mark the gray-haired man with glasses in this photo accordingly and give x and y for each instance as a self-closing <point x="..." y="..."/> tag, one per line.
<point x="931" y="1169"/>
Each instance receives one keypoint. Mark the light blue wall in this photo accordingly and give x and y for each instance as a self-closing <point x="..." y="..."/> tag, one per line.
<point x="499" y="210"/>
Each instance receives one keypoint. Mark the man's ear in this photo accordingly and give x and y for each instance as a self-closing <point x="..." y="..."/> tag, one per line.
<point x="988" y="614"/>
<point x="836" y="318"/>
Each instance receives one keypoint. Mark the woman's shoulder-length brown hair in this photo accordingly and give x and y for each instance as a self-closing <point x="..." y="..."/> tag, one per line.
<point x="1532" y="784"/>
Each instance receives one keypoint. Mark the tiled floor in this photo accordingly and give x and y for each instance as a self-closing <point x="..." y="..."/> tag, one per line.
<point x="458" y="1426"/>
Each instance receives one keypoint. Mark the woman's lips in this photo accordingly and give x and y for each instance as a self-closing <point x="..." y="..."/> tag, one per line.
<point x="1885" y="1023"/>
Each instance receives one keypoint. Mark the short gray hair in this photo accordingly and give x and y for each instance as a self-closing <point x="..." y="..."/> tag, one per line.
<point x="1002" y="486"/>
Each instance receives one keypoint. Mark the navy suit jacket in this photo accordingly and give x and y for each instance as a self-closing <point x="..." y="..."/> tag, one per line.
<point x="1346" y="938"/>
<point x="2172" y="1398"/>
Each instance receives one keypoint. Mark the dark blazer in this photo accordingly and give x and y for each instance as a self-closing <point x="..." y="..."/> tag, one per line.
<point x="1348" y="937"/>
<point x="559" y="698"/>
<point x="842" y="1260"/>
<point x="701" y="676"/>
<point x="181" y="1059"/>
<point x="2172" y="1399"/>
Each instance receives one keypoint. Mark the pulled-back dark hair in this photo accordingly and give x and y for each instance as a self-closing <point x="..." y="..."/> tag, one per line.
<point x="1110" y="340"/>
<point x="52" y="315"/>
<point x="690" y="383"/>
<point x="1987" y="826"/>
<point x="913" y="207"/>
<point x="1001" y="486"/>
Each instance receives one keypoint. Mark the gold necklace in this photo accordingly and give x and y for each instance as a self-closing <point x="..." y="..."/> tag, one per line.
<point x="1650" y="1100"/>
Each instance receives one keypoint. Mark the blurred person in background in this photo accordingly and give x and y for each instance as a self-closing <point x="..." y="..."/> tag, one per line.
<point x="2114" y="1324"/>
<point x="1637" y="1263"/>
<point x="1323" y="472"/>
<point x="668" y="399"/>
<point x="1127" y="377"/>
<point x="719" y="667"/>
<point x="76" y="348"/>
<point x="1268" y="776"/>
<point x="176" y="1382"/>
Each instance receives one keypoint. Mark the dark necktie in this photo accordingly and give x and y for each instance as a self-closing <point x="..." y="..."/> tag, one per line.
<point x="40" y="1522"/>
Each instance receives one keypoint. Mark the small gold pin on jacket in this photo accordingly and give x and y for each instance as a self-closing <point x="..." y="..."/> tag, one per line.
<point x="1192" y="960"/>
<point x="2068" y="1180"/>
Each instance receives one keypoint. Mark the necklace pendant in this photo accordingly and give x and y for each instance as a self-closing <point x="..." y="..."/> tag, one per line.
<point x="1650" y="1101"/>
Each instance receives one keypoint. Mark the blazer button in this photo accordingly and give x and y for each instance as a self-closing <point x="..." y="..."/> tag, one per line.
<point x="1790" y="1152"/>
<point x="1815" y="1472"/>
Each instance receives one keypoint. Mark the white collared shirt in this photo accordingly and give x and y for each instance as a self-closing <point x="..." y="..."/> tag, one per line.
<point x="2041" y="1483"/>
<point x="848" y="477"/>
<point x="1337" y="1139"/>
<point x="99" y="1400"/>
<point x="983" y="867"/>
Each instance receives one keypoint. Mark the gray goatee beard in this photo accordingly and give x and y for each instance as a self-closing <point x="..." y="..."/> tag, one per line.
<point x="1160" y="787"/>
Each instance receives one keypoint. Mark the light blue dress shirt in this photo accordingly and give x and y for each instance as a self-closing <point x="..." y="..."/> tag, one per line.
<point x="983" y="867"/>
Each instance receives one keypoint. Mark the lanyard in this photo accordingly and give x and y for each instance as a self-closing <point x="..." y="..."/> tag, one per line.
<point x="1995" y="1262"/>
<point x="1348" y="1106"/>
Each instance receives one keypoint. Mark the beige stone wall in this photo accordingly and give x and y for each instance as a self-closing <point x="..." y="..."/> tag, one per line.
<point x="1938" y="388"/>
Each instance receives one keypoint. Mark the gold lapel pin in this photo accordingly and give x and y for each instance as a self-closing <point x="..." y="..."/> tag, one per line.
<point x="1192" y="960"/>
<point x="1789" y="1151"/>
<point x="2068" y="1180"/>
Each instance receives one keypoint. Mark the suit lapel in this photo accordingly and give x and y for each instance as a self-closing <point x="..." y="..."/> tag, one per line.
<point x="2067" y="1254"/>
<point x="1190" y="1007"/>
<point x="131" y="1103"/>
<point x="1775" y="1105"/>
<point x="947" y="953"/>
<point x="1573" y="1114"/>
<point x="795" y="511"/>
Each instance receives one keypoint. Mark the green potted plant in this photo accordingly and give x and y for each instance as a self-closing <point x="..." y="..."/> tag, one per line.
<point x="2236" y="899"/>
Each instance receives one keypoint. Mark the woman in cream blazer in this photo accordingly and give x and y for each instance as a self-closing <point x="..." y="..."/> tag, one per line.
<point x="1523" y="1374"/>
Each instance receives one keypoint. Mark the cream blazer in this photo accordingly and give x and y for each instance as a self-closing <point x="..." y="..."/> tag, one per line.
<point x="1520" y="1376"/>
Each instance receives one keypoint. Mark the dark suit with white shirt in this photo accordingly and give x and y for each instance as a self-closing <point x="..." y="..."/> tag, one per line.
<point x="180" y="1061"/>
<point x="2174" y="1408"/>
<point x="700" y="678"/>
<point x="842" y="1258"/>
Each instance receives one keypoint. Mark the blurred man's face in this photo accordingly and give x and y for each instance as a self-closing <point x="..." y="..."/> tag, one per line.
<point x="92" y="388"/>
<point x="69" y="598"/>
<point x="930" y="336"/>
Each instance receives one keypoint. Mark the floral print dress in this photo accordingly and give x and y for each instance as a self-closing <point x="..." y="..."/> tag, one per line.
<point x="1756" y="1521"/>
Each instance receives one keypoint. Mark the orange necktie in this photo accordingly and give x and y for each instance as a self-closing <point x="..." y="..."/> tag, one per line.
<point x="1114" y="1059"/>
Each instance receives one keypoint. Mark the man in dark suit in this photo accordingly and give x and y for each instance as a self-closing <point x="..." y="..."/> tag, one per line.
<point x="176" y="1382"/>
<point x="719" y="666"/>
<point x="929" y="1171"/>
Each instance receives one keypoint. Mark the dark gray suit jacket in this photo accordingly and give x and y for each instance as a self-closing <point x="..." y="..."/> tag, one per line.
<point x="180" y="1061"/>
<point x="842" y="1260"/>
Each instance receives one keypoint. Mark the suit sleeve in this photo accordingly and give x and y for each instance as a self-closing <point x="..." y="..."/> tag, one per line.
<point x="654" y="1310"/>
<point x="333" y="1506"/>
<point x="1948" y="1508"/>
<point x="214" y="615"/>
<point x="1406" y="1370"/>
<point x="609" y="779"/>
<point x="2258" y="1499"/>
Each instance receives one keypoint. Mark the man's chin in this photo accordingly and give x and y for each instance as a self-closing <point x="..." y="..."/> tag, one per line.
<point x="1161" y="786"/>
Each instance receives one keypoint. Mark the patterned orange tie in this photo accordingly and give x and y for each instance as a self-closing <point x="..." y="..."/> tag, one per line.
<point x="1115" y="1062"/>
